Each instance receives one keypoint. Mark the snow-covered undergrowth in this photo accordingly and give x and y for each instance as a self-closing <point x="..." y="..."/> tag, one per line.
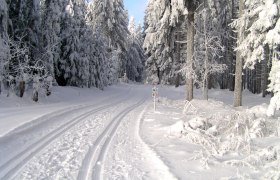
<point x="229" y="135"/>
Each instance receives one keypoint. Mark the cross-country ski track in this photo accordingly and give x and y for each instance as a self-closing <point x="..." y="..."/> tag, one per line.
<point x="19" y="160"/>
<point x="74" y="142"/>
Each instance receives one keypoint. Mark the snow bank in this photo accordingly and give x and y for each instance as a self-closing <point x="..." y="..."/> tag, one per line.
<point x="235" y="139"/>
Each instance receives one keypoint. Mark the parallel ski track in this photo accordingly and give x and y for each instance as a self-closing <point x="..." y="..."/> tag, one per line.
<point x="91" y="165"/>
<point x="10" y="169"/>
<point x="53" y="114"/>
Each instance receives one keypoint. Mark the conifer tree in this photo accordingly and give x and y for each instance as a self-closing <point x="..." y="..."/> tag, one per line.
<point x="136" y="55"/>
<point x="161" y="18"/>
<point x="51" y="32"/>
<point x="260" y="24"/>
<point x="112" y="19"/>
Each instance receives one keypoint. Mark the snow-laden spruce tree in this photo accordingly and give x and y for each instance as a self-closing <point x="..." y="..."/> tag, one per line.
<point x="261" y="23"/>
<point x="95" y="46"/>
<point x="274" y="85"/>
<point x="161" y="18"/>
<point x="51" y="32"/>
<point x="112" y="19"/>
<point x="73" y="67"/>
<point x="75" y="53"/>
<point x="98" y="64"/>
<point x="136" y="57"/>
<point x="70" y="45"/>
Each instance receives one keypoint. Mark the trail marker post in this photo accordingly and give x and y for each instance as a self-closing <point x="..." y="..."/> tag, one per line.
<point x="154" y="94"/>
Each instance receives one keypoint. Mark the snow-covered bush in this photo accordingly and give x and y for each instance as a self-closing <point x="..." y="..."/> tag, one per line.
<point x="41" y="80"/>
<point x="189" y="108"/>
<point x="21" y="72"/>
<point x="198" y="123"/>
<point x="17" y="67"/>
<point x="176" y="129"/>
<point x="230" y="132"/>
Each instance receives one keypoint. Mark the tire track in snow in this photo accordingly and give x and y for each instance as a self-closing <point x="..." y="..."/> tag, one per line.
<point x="92" y="163"/>
<point x="9" y="169"/>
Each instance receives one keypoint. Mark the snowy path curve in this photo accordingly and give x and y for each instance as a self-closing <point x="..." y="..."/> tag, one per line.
<point x="10" y="168"/>
<point x="92" y="164"/>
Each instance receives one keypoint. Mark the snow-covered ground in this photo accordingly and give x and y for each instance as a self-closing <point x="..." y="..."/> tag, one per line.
<point x="116" y="134"/>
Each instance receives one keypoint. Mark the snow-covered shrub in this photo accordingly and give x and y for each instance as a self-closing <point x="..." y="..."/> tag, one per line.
<point x="199" y="131"/>
<point x="233" y="143"/>
<point x="198" y="123"/>
<point x="41" y="84"/>
<point x="227" y="132"/>
<point x="258" y="128"/>
<point x="258" y="111"/>
<point x="176" y="129"/>
<point x="189" y="108"/>
<point x="21" y="71"/>
<point x="267" y="158"/>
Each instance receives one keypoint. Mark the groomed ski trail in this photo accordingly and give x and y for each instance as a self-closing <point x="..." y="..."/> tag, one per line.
<point x="10" y="168"/>
<point x="92" y="166"/>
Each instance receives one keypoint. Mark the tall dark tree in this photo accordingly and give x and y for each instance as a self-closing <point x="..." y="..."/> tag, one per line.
<point x="191" y="5"/>
<point x="3" y="40"/>
<point x="239" y="63"/>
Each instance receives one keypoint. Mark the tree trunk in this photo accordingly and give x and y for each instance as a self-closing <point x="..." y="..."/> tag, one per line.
<point x="35" y="96"/>
<point x="177" y="57"/>
<point x="232" y="54"/>
<point x="239" y="65"/>
<point x="206" y="59"/>
<point x="48" y="91"/>
<point x="258" y="76"/>
<point x="21" y="88"/>
<point x="247" y="78"/>
<point x="205" y="89"/>
<point x="265" y="71"/>
<point x="1" y="84"/>
<point x="190" y="49"/>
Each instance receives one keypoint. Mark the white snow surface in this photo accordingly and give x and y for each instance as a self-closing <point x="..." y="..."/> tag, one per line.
<point x="116" y="134"/>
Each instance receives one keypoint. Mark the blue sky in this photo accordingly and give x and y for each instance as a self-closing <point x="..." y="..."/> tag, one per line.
<point x="136" y="8"/>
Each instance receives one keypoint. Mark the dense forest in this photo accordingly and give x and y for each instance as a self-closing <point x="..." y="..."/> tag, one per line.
<point x="67" y="42"/>
<point x="198" y="43"/>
